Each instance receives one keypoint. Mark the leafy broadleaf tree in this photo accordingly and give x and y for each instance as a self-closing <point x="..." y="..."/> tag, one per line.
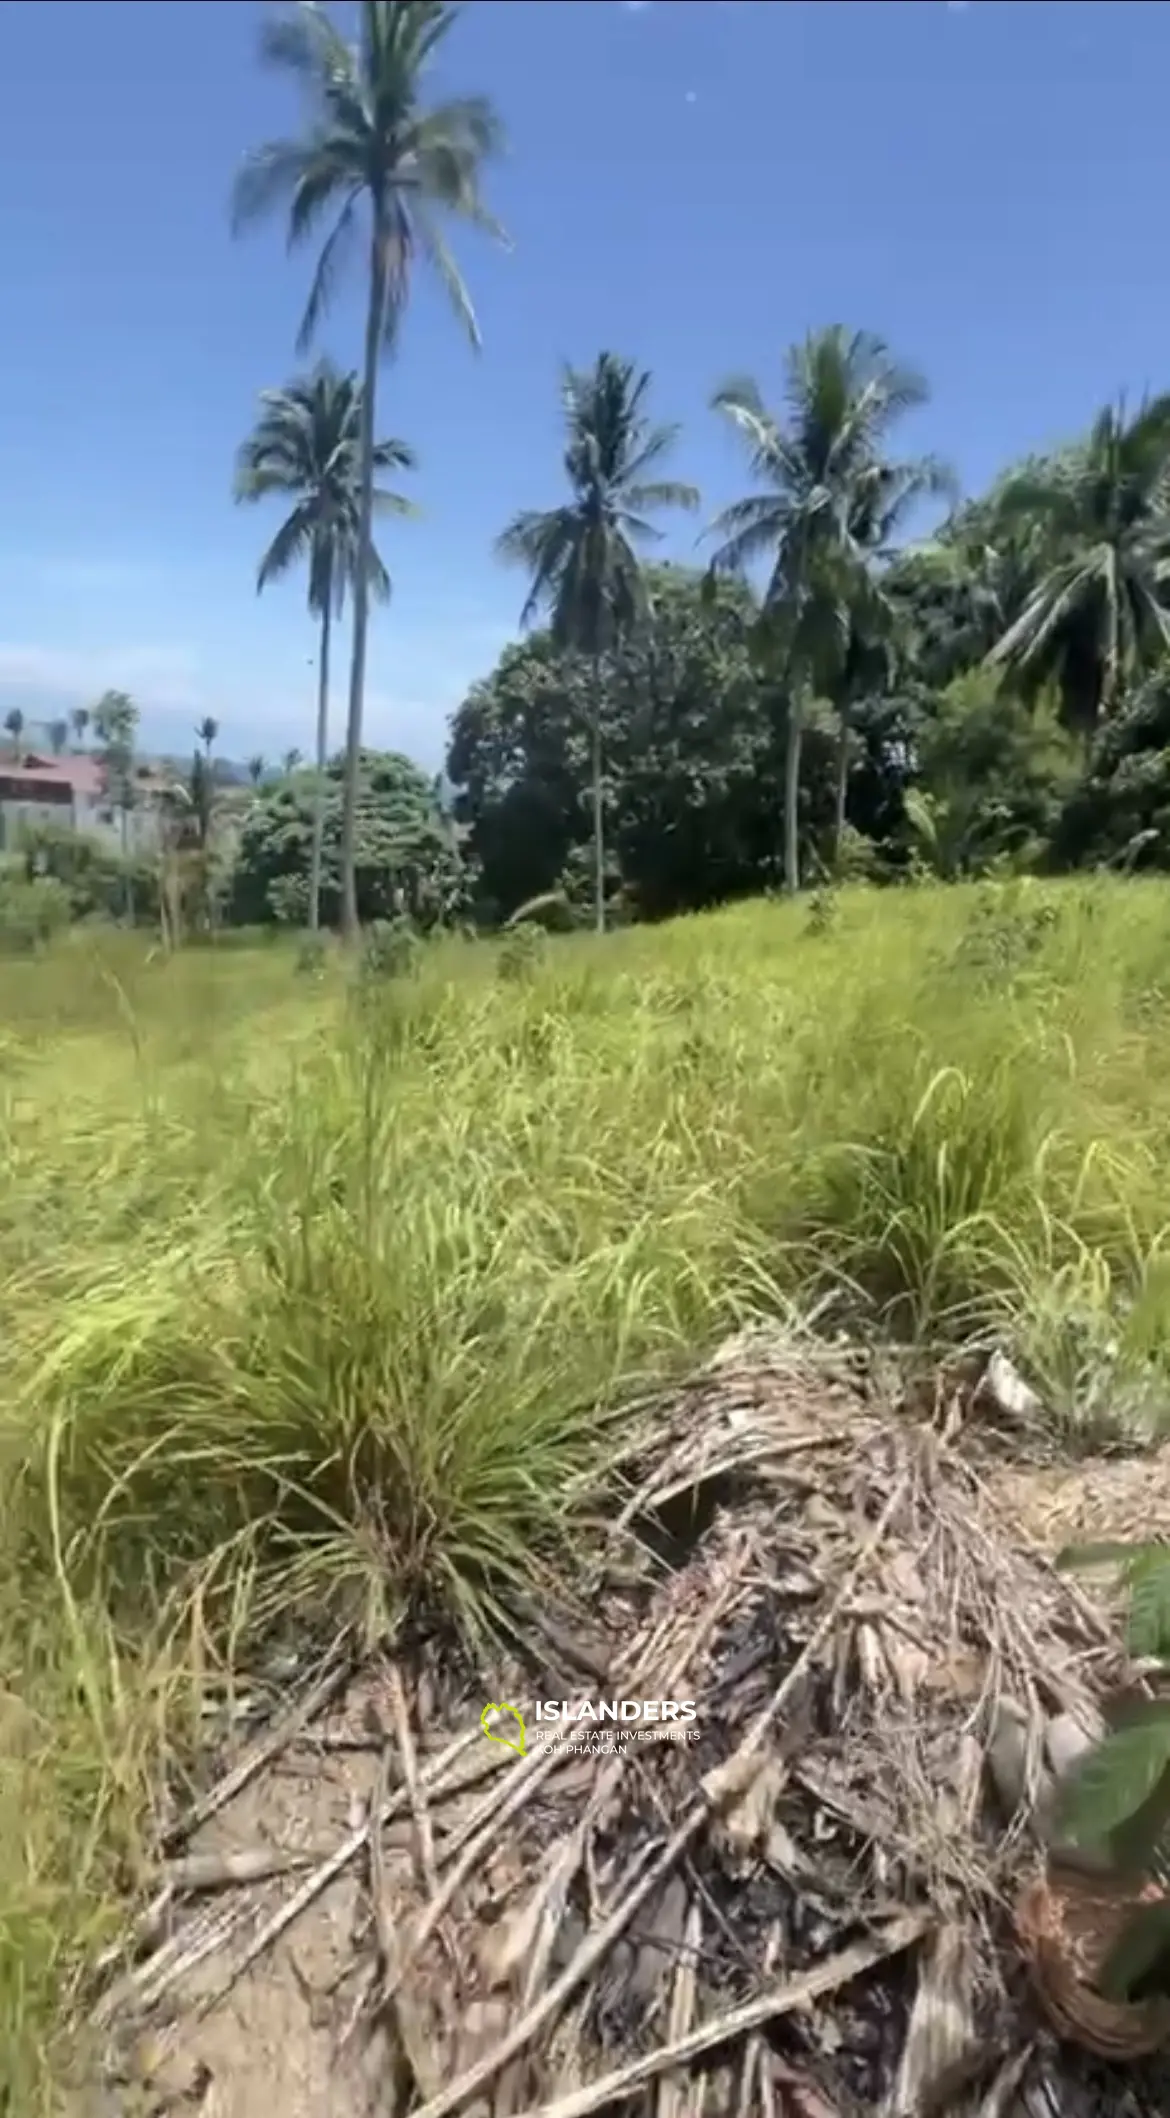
<point x="583" y="556"/>
<point x="389" y="167"/>
<point x="306" y="446"/>
<point x="1097" y="613"/>
<point x="409" y="858"/>
<point x="827" y="501"/>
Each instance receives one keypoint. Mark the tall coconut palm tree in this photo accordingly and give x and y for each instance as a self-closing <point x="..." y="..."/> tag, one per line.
<point x="374" y="154"/>
<point x="1098" y="608"/>
<point x="80" y="719"/>
<point x="583" y="556"/>
<point x="813" y="514"/>
<point x="206" y="733"/>
<point x="307" y="445"/>
<point x="14" y="723"/>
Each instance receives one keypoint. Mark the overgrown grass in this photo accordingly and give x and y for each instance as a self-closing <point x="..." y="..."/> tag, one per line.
<point x="320" y="1302"/>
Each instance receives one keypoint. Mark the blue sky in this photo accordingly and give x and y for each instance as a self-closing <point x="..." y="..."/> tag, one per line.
<point x="692" y="182"/>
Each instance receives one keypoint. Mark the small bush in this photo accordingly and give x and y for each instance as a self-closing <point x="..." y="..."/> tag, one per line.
<point x="312" y="956"/>
<point x="287" y="898"/>
<point x="522" y="952"/>
<point x="31" y="912"/>
<point x="1008" y="930"/>
<point x="822" y="913"/>
<point x="390" y="949"/>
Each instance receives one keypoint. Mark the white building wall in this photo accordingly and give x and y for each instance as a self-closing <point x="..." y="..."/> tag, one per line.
<point x="89" y="815"/>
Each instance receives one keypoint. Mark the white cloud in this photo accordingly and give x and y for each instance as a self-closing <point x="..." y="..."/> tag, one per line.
<point x="166" y="674"/>
<point x="265" y="698"/>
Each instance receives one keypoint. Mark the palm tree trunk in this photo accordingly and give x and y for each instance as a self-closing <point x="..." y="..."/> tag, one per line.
<point x="127" y="883"/>
<point x="841" y="795"/>
<point x="792" y="747"/>
<point x="375" y="317"/>
<point x="322" y="749"/>
<point x="598" y="807"/>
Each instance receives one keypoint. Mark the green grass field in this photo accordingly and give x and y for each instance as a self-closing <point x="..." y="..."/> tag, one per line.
<point x="322" y="1299"/>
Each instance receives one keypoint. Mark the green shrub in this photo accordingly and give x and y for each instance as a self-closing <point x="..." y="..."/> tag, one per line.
<point x="312" y="955"/>
<point x="390" y="949"/>
<point x="32" y="912"/>
<point x="522" y="951"/>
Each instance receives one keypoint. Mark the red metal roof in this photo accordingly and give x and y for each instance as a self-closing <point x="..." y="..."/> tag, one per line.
<point x="81" y="775"/>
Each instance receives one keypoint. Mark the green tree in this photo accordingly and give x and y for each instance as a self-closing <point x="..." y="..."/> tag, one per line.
<point x="306" y="446"/>
<point x="583" y="556"/>
<point x="14" y="723"/>
<point x="518" y="758"/>
<point x="58" y="736"/>
<point x="1097" y="614"/>
<point x="408" y="855"/>
<point x="994" y="774"/>
<point x="822" y="476"/>
<point x="291" y="762"/>
<point x="80" y="720"/>
<point x="206" y="733"/>
<point x="1119" y="812"/>
<point x="373" y="150"/>
<point x="875" y="636"/>
<point x="689" y="789"/>
<point x="257" y="767"/>
<point x="115" y="724"/>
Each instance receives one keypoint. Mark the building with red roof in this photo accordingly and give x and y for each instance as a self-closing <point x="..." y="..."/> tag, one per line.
<point x="71" y="792"/>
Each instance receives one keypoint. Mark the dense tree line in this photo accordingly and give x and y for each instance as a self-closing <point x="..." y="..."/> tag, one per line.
<point x="819" y="696"/>
<point x="999" y="693"/>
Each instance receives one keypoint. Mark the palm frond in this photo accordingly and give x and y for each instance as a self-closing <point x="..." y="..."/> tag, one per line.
<point x="307" y="443"/>
<point x="434" y="247"/>
<point x="292" y="543"/>
<point x="333" y="257"/>
<point x="369" y="134"/>
<point x="665" y="492"/>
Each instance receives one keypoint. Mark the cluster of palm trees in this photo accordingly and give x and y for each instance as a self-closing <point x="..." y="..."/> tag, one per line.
<point x="1059" y="576"/>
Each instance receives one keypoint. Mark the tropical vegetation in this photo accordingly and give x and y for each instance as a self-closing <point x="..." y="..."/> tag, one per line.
<point x="393" y="168"/>
<point x="328" y="1277"/>
<point x="306" y="445"/>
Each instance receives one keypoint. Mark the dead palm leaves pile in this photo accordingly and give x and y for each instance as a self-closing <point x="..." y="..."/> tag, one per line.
<point x="810" y="1910"/>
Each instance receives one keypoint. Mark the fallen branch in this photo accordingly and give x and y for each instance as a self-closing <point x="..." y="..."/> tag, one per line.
<point x="328" y="1871"/>
<point x="420" y="1814"/>
<point x="591" y="1951"/>
<point x="263" y="1751"/>
<point x="784" y="1999"/>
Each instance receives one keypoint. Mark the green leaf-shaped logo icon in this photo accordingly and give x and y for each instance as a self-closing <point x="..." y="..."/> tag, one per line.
<point x="515" y="1738"/>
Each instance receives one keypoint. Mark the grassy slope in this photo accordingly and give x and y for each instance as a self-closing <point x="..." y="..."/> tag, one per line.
<point x="305" y="1301"/>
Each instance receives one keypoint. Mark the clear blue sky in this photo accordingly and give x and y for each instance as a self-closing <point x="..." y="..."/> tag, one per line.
<point x="692" y="182"/>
